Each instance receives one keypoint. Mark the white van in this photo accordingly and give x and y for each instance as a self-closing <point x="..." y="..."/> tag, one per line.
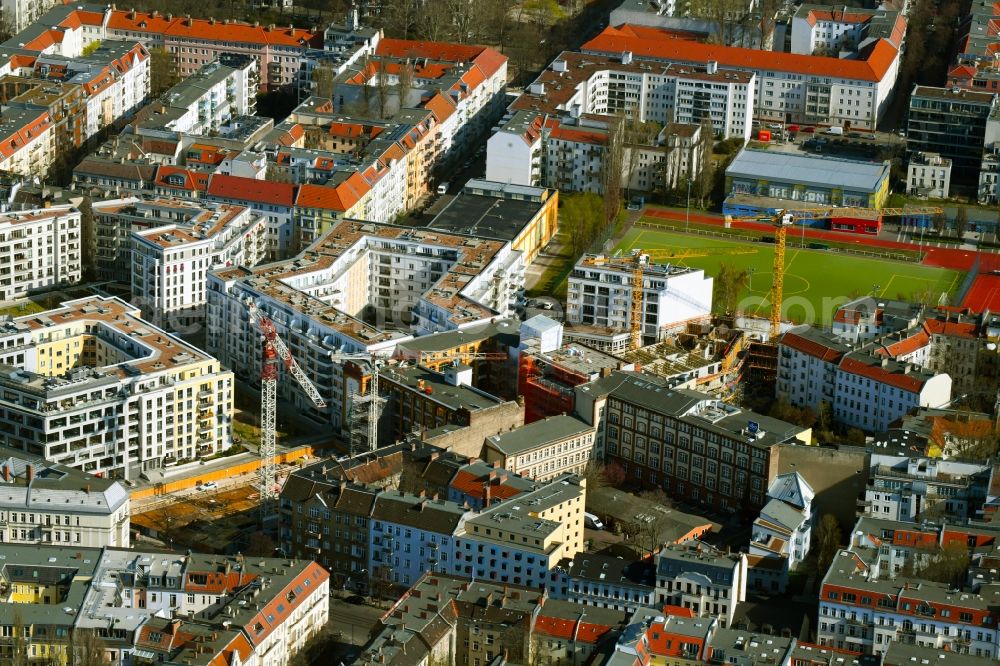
<point x="443" y="188"/>
<point x="835" y="131"/>
<point x="592" y="521"/>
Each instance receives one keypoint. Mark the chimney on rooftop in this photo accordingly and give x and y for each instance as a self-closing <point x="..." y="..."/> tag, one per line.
<point x="6" y="472"/>
<point x="31" y="473"/>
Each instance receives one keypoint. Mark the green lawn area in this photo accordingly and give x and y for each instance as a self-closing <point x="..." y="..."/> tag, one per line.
<point x="816" y="281"/>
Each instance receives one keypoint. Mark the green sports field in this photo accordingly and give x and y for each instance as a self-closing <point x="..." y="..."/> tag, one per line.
<point x="816" y="281"/>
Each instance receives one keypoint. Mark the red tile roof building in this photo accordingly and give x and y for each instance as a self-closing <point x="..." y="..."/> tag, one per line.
<point x="867" y="387"/>
<point x="791" y="87"/>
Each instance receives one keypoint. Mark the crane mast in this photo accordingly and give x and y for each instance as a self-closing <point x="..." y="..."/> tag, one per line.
<point x="274" y="354"/>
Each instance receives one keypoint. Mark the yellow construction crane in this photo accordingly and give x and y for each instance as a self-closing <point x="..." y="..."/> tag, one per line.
<point x="784" y="219"/>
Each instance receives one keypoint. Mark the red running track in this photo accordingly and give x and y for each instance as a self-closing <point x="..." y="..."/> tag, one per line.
<point x="984" y="293"/>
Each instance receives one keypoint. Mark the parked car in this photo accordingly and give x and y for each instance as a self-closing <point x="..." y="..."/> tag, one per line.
<point x="443" y="188"/>
<point x="870" y="136"/>
<point x="834" y="130"/>
<point x="808" y="130"/>
<point x="792" y="128"/>
<point x="592" y="521"/>
<point x="211" y="485"/>
<point x="774" y="126"/>
<point x="636" y="203"/>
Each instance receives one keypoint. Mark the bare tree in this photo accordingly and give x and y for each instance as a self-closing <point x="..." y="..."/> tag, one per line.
<point x="87" y="649"/>
<point x="611" y="170"/>
<point x="405" y="84"/>
<point x="382" y="88"/>
<point x="322" y="78"/>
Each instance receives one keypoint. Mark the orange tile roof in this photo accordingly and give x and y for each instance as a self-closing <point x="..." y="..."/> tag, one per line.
<point x="194" y="181"/>
<point x="557" y="627"/>
<point x="441" y="106"/>
<point x="906" y="346"/>
<point x="473" y="485"/>
<point x="961" y="329"/>
<point x="806" y="346"/>
<point x="21" y="136"/>
<point x="910" y="383"/>
<point x="445" y="51"/>
<point x="342" y="198"/>
<point x="251" y="189"/>
<point x="209" y="29"/>
<point x="283" y="605"/>
<point x="652" y="43"/>
<point x="575" y="134"/>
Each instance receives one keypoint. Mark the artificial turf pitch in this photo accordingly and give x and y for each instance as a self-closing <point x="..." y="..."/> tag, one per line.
<point x="816" y="281"/>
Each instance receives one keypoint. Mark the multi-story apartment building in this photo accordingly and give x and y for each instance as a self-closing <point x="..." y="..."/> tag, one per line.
<point x="929" y="175"/>
<point x="409" y="536"/>
<point x="861" y="611"/>
<point x="19" y="14"/>
<point x="116" y="219"/>
<point x="867" y="318"/>
<point x="557" y="132"/>
<point x="864" y="388"/>
<point x="422" y="400"/>
<point x="600" y="295"/>
<point x="46" y="503"/>
<point x="154" y="607"/>
<point x="39" y="249"/>
<point x="604" y="581"/>
<point x="920" y="489"/>
<point x="704" y="580"/>
<point x="326" y="519"/>
<point x="115" y="77"/>
<point x="690" y="444"/>
<point x="781" y="534"/>
<point x="826" y="30"/>
<point x="889" y="546"/>
<point x="544" y="449"/>
<point x="403" y="279"/>
<point x="28" y="141"/>
<point x="789" y="87"/>
<point x="195" y="42"/>
<point x="521" y="542"/>
<point x="170" y="263"/>
<point x="952" y="123"/>
<point x="91" y="385"/>
<point x="207" y="99"/>
<point x="456" y="621"/>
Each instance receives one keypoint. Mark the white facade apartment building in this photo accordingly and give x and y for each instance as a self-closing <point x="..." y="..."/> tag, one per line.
<point x="522" y="540"/>
<point x="704" y="580"/>
<point x="781" y="534"/>
<point x="543" y="449"/>
<point x="115" y="77"/>
<point x="824" y="29"/>
<point x="789" y="87"/>
<point x="19" y="14"/>
<point x="871" y="393"/>
<point x="46" y="503"/>
<point x="560" y="124"/>
<point x="410" y="535"/>
<point x="208" y="99"/>
<point x="861" y="611"/>
<point x="928" y="175"/>
<point x="170" y="264"/>
<point x="27" y="141"/>
<point x="251" y="611"/>
<point x="39" y="249"/>
<point x="865" y="390"/>
<point x="93" y="386"/>
<point x="414" y="281"/>
<point x="600" y="294"/>
<point x="115" y="220"/>
<point x="917" y="489"/>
